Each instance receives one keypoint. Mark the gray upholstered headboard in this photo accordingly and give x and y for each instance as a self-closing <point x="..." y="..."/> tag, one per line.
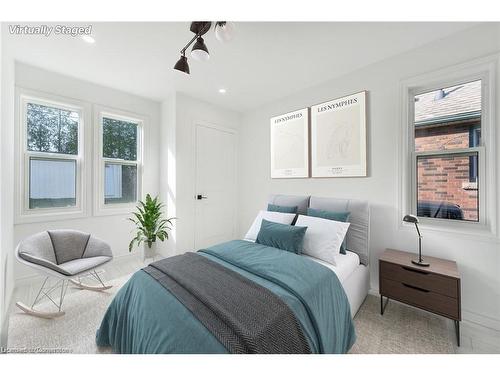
<point x="358" y="235"/>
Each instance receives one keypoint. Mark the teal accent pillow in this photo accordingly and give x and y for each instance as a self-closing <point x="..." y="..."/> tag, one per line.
<point x="284" y="209"/>
<point x="331" y="215"/>
<point x="281" y="236"/>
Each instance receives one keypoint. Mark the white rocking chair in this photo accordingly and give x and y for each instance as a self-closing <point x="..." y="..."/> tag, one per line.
<point x="67" y="256"/>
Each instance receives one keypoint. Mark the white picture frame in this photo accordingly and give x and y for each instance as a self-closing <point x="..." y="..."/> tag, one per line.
<point x="290" y="145"/>
<point x="338" y="137"/>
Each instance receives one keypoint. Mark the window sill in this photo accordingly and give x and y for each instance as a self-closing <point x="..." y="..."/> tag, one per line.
<point x="469" y="186"/>
<point x="115" y="209"/>
<point x="461" y="229"/>
<point x="37" y="217"/>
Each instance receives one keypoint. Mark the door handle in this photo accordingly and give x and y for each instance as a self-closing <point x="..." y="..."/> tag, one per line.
<point x="200" y="197"/>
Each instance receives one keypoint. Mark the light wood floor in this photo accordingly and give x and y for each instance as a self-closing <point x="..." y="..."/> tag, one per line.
<point x="475" y="338"/>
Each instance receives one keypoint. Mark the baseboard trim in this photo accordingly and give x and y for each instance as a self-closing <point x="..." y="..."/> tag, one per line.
<point x="467" y="316"/>
<point x="480" y="319"/>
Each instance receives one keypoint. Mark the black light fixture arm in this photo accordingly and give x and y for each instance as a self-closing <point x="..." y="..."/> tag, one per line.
<point x="183" y="51"/>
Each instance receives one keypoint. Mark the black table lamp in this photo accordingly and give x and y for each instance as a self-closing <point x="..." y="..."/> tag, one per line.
<point x="413" y="219"/>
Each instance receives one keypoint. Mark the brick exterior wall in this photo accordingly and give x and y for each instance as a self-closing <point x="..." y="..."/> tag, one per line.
<point x="446" y="178"/>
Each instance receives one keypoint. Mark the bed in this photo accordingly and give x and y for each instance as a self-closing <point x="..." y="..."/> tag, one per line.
<point x="353" y="269"/>
<point x="244" y="297"/>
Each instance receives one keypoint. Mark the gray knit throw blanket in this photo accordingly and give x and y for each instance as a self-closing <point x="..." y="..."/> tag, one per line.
<point x="243" y="315"/>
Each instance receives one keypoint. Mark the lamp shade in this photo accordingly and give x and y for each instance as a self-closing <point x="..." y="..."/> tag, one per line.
<point x="410" y="219"/>
<point x="182" y="65"/>
<point x="200" y="50"/>
<point x="224" y="31"/>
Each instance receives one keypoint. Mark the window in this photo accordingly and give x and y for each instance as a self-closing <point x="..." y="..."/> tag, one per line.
<point x="119" y="162"/>
<point x="52" y="183"/>
<point x="51" y="156"/>
<point x="447" y="151"/>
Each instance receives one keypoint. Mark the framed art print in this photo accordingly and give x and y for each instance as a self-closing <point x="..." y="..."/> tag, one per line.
<point x="290" y="145"/>
<point x="338" y="137"/>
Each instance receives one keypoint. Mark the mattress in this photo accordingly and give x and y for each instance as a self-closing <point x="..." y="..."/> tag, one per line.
<point x="346" y="264"/>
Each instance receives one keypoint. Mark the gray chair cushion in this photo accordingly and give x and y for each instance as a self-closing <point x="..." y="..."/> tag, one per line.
<point x="74" y="267"/>
<point x="68" y="252"/>
<point x="38" y="246"/>
<point x="68" y="244"/>
<point x="97" y="247"/>
<point x="302" y="202"/>
<point x="42" y="262"/>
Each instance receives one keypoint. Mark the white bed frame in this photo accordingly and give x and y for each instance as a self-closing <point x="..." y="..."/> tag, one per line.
<point x="356" y="287"/>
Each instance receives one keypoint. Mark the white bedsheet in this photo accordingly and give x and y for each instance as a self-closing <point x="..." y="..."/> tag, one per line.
<point x="346" y="264"/>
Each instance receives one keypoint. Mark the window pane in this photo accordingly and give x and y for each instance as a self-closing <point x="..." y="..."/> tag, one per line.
<point x="120" y="183"/>
<point x="448" y="118"/>
<point x="52" y="183"/>
<point x="445" y="189"/>
<point x="119" y="139"/>
<point x="52" y="129"/>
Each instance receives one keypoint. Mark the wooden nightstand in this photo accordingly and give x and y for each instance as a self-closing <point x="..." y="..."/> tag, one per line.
<point x="435" y="288"/>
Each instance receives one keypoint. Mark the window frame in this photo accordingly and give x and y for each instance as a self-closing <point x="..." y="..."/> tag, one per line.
<point x="100" y="207"/>
<point x="24" y="214"/>
<point x="481" y="69"/>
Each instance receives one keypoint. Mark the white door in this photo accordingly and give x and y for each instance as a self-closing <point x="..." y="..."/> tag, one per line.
<point x="215" y="185"/>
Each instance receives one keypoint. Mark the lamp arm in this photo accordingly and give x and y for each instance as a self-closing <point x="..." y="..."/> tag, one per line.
<point x="418" y="231"/>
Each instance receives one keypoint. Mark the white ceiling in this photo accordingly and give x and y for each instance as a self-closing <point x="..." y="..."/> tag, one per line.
<point x="264" y="62"/>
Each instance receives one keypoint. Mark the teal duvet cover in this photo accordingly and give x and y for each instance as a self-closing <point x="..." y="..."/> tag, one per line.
<point x="145" y="318"/>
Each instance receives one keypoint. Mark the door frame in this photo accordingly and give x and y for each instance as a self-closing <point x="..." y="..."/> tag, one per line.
<point x="225" y="129"/>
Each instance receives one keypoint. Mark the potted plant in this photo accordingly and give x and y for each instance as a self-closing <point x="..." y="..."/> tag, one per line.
<point x="150" y="225"/>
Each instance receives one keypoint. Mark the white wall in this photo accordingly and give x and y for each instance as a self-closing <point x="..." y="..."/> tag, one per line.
<point x="7" y="173"/>
<point x="2" y="282"/>
<point x="113" y="229"/>
<point x="168" y="170"/>
<point x="180" y="115"/>
<point x="478" y="258"/>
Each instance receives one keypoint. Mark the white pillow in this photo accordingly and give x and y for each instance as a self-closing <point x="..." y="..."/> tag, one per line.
<point x="323" y="237"/>
<point x="276" y="217"/>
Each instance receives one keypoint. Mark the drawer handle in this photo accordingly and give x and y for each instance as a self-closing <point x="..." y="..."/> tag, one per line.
<point x="414" y="270"/>
<point x="415" y="287"/>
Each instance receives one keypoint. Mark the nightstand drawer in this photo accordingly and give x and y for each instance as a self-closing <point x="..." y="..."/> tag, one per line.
<point x="420" y="278"/>
<point x="420" y="297"/>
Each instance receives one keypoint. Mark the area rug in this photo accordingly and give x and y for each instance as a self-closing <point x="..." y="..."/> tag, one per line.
<point x="400" y="330"/>
<point x="72" y="333"/>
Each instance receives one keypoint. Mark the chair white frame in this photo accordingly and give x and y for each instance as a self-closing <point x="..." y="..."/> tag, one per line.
<point x="62" y="283"/>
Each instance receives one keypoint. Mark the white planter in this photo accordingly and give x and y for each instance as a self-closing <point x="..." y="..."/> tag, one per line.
<point x="149" y="252"/>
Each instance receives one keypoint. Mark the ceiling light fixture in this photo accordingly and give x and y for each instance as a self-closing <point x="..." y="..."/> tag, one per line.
<point x="223" y="32"/>
<point x="200" y="50"/>
<point x="222" y="91"/>
<point x="88" y="38"/>
<point x="182" y="65"/>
